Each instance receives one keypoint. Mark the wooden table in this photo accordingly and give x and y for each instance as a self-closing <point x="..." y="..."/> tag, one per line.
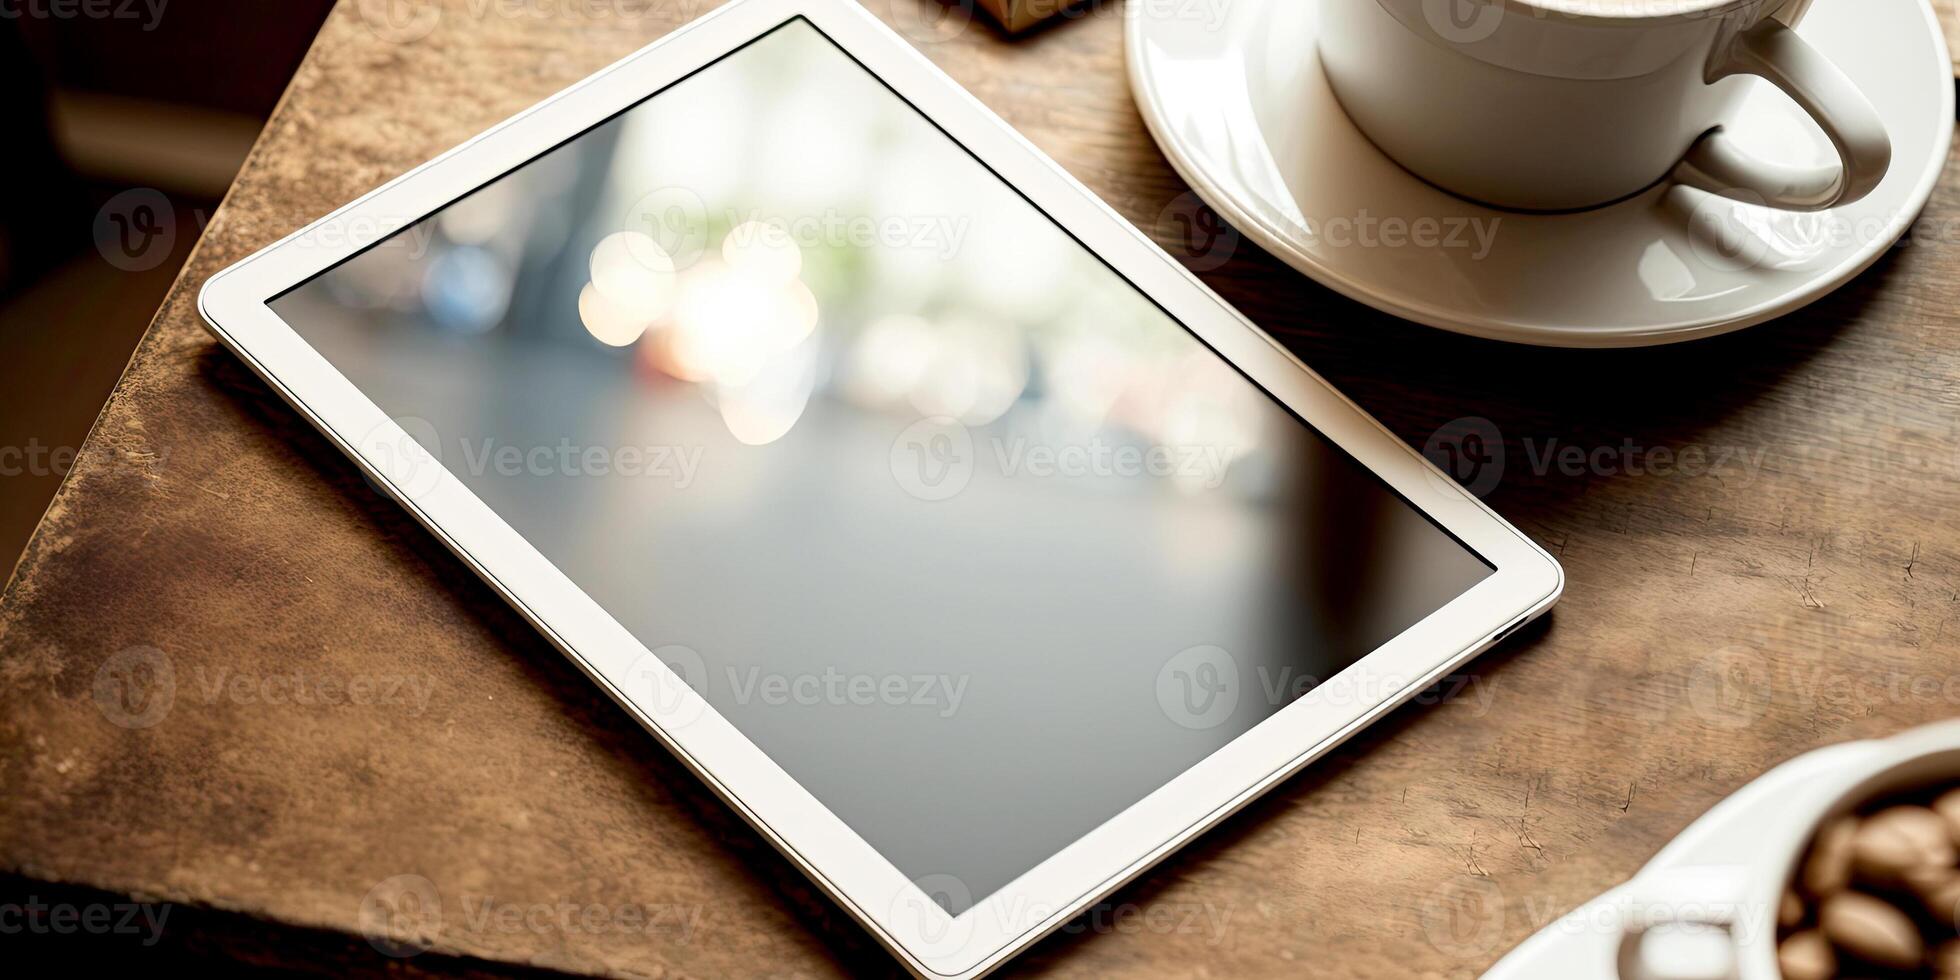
<point x="1798" y="588"/>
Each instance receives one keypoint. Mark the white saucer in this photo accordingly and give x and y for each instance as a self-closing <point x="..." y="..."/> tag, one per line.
<point x="1585" y="943"/>
<point x="1233" y="92"/>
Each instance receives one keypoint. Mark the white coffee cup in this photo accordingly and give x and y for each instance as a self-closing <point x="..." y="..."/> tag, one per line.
<point x="1555" y="105"/>
<point x="1743" y="899"/>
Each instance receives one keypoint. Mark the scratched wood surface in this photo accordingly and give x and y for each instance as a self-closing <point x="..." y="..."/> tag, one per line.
<point x="1794" y="588"/>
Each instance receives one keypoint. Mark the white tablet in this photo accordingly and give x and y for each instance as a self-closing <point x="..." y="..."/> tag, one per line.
<point x="953" y="533"/>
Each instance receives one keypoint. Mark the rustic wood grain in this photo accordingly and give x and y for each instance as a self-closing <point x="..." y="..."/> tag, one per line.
<point x="1800" y="593"/>
<point x="1949" y="11"/>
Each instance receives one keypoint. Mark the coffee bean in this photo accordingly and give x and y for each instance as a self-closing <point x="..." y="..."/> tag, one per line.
<point x="1946" y="959"/>
<point x="1948" y="807"/>
<point x="1871" y="930"/>
<point x="1928" y="880"/>
<point x="1790" y="912"/>
<point x="1943" y="902"/>
<point x="1897" y="840"/>
<point x="1828" y="869"/>
<point x="1806" y="956"/>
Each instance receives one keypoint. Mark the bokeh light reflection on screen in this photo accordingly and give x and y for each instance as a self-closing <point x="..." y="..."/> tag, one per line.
<point x="777" y="269"/>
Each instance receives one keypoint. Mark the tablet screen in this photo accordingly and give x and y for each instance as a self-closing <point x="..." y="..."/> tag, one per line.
<point x="963" y="530"/>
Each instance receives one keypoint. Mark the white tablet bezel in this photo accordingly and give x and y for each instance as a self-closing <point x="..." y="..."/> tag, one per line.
<point x="1526" y="582"/>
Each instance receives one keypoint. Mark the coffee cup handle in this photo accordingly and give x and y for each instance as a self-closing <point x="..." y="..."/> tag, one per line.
<point x="1707" y="896"/>
<point x="1772" y="51"/>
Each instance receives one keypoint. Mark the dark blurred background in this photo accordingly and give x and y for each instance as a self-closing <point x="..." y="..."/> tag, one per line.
<point x="116" y="113"/>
